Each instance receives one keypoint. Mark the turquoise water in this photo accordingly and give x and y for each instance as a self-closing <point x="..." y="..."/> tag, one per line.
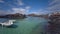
<point x="30" y="25"/>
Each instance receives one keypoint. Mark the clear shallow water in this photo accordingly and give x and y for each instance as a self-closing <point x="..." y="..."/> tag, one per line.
<point x="30" y="25"/>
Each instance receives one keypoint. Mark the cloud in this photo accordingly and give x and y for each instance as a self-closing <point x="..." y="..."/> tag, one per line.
<point x="15" y="7"/>
<point x="14" y="10"/>
<point x="1" y="1"/>
<point x="54" y="5"/>
<point x="20" y="2"/>
<point x="2" y="12"/>
<point x="41" y="11"/>
<point x="27" y="7"/>
<point x="20" y="10"/>
<point x="54" y="1"/>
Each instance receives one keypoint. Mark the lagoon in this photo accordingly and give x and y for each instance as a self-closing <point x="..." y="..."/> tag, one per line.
<point x="30" y="25"/>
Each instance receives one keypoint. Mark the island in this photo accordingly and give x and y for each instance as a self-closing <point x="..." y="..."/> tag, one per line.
<point x="41" y="15"/>
<point x="14" y="16"/>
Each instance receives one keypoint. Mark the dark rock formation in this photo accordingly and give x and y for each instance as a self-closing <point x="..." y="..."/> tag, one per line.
<point x="54" y="27"/>
<point x="17" y="15"/>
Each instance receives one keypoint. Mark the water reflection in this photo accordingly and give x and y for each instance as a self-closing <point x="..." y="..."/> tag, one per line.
<point x="12" y="26"/>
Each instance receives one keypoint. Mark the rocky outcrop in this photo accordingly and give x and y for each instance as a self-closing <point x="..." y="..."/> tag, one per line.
<point x="54" y="27"/>
<point x="17" y="15"/>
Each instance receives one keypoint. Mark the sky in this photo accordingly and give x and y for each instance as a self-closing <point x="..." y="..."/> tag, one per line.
<point x="29" y="6"/>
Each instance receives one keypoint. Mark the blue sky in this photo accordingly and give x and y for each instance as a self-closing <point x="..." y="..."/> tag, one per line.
<point x="28" y="6"/>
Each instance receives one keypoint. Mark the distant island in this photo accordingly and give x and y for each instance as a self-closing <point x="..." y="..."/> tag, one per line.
<point x="35" y="15"/>
<point x="17" y="15"/>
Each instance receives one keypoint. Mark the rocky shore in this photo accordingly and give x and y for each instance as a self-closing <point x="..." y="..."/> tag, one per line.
<point x="14" y="16"/>
<point x="54" y="27"/>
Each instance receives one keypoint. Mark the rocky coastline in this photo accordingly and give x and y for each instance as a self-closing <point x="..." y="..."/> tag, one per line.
<point x="54" y="27"/>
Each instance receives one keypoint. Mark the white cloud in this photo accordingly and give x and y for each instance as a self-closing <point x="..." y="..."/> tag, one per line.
<point x="40" y="11"/>
<point x="37" y="13"/>
<point x="20" y="10"/>
<point x="2" y="12"/>
<point x="54" y="5"/>
<point x="54" y="1"/>
<point x="1" y="1"/>
<point x="20" y="2"/>
<point x="27" y="7"/>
